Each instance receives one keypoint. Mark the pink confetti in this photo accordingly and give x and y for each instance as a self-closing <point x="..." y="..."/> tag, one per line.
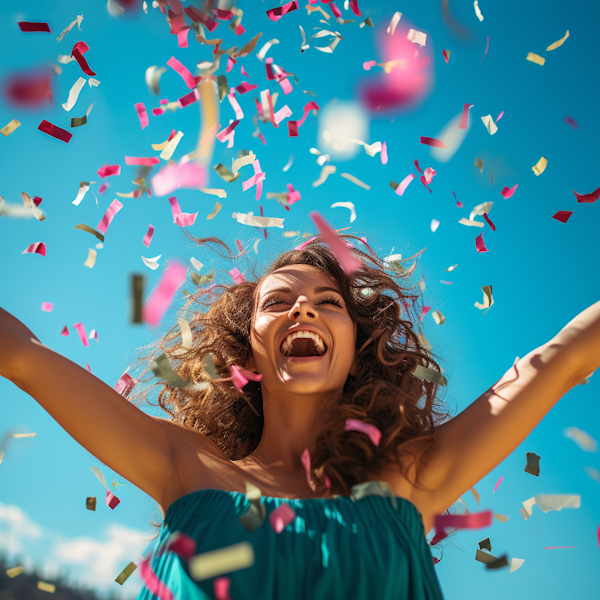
<point x="472" y="521"/>
<point x="182" y="71"/>
<point x="142" y="114"/>
<point x="148" y="237"/>
<point x="157" y="304"/>
<point x="281" y="517"/>
<point x="563" y="215"/>
<point x="404" y="184"/>
<point x="65" y="331"/>
<point x="348" y="262"/>
<point x="508" y="192"/>
<point x="221" y="588"/>
<point x="558" y="547"/>
<point x="79" y="49"/>
<point x="276" y="13"/>
<point x="424" y="311"/>
<point x="56" y="132"/>
<point x="429" y="173"/>
<point x="182" y="38"/>
<point x="572" y="122"/>
<point x="373" y="432"/>
<point x="354" y="7"/>
<point x="487" y="47"/>
<point x="109" y="215"/>
<point x="489" y="222"/>
<point x="293" y="125"/>
<point x="93" y="335"/>
<point x="188" y="175"/>
<point x="243" y="71"/>
<point x="88" y="367"/>
<point x="432" y="142"/>
<point x="305" y="460"/>
<point x="500" y="116"/>
<point x="446" y="282"/>
<point x="237" y="276"/>
<point x="153" y="583"/>
<point x="27" y="26"/>
<point x="337" y="13"/>
<point x="230" y="63"/>
<point x="190" y="98"/>
<point x="465" y="116"/>
<point x="36" y="248"/>
<point x="239" y="246"/>
<point x="183" y="545"/>
<point x="293" y="195"/>
<point x="480" y="245"/>
<point x="447" y="59"/>
<point x="591" y="197"/>
<point x="47" y="306"/>
<point x="109" y="170"/>
<point x="103" y="188"/>
<point x="246" y="87"/>
<point x="146" y="161"/>
<point x="227" y="133"/>
<point x="157" y="111"/>
<point x="239" y="115"/>
<point x="499" y="482"/>
<point x="125" y="384"/>
<point x="240" y="377"/>
<point x="369" y="64"/>
<point x="459" y="204"/>
<point x="111" y="500"/>
<point x="424" y="182"/>
<point x="416" y="163"/>
<point x="181" y="218"/>
<point x="82" y="335"/>
<point x="598" y="535"/>
<point x="246" y="185"/>
<point x="384" y="154"/>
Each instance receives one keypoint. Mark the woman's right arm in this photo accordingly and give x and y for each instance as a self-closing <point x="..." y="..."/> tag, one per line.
<point x="140" y="447"/>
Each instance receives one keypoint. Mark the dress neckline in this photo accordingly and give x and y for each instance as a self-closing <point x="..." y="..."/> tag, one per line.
<point x="359" y="491"/>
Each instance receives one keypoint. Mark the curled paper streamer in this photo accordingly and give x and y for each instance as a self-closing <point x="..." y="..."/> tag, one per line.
<point x="373" y="432"/>
<point x="349" y="263"/>
<point x="325" y="172"/>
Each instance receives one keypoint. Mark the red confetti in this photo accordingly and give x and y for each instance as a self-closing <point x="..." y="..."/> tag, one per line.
<point x="416" y="163"/>
<point x="79" y="49"/>
<point x="447" y="59"/>
<point x="27" y="26"/>
<point x="109" y="170"/>
<point x="276" y="13"/>
<point x="591" y="197"/>
<point x="337" y="13"/>
<point x="465" y="117"/>
<point x="459" y="204"/>
<point x="55" y="132"/>
<point x="35" y="248"/>
<point x="563" y="215"/>
<point x="572" y="122"/>
<point x="65" y="331"/>
<point x="29" y="90"/>
<point x="485" y="216"/>
<point x="246" y="87"/>
<point x="354" y="7"/>
<point x="432" y="142"/>
<point x="508" y="192"/>
<point x="480" y="244"/>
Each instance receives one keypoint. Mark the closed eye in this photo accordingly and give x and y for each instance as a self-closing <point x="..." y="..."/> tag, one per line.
<point x="328" y="300"/>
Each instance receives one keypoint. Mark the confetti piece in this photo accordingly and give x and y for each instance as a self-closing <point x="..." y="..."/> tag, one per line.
<point x="355" y="180"/>
<point x="90" y="261"/>
<point x="54" y="131"/>
<point x="417" y="37"/>
<point x="215" y="211"/>
<point x="10" y="127"/>
<point x="438" y="317"/>
<point x="14" y="572"/>
<point x="142" y="114"/>
<point x="465" y="116"/>
<point x="433" y="142"/>
<point x="224" y="560"/>
<point x="109" y="170"/>
<point x="158" y="303"/>
<point x="489" y="222"/>
<point x="536" y="58"/>
<point x="558" y="43"/>
<point x="400" y="189"/>
<point x="147" y="161"/>
<point x="348" y="262"/>
<point x="263" y="51"/>
<point x="36" y="248"/>
<point x="281" y="517"/>
<point x="305" y="460"/>
<point x="434" y="224"/>
<point x="109" y="215"/>
<point x="221" y="588"/>
<point x="183" y="72"/>
<point x="151" y="263"/>
<point x="479" y="163"/>
<point x="79" y="49"/>
<point x="180" y="218"/>
<point x="79" y="121"/>
<point x="349" y="206"/>
<point x="46" y="587"/>
<point x="187" y="175"/>
<point x="258" y="221"/>
<point x="446" y="55"/>
<point x="562" y="215"/>
<point x="236" y="275"/>
<point x="480" y="244"/>
<point x="384" y="155"/>
<point x="477" y="11"/>
<point x="88" y="229"/>
<point x="171" y="146"/>
<point x="276" y="13"/>
<point x="487" y="47"/>
<point x="583" y="439"/>
<point x="373" y="432"/>
<point x="533" y="464"/>
<point x="162" y="369"/>
<point x="125" y="384"/>
<point x="325" y="172"/>
<point x="488" y="300"/>
<point x="572" y="122"/>
<point x="28" y="26"/>
<point x="125" y="573"/>
<point x="79" y="327"/>
<point x="152" y="582"/>
<point x="489" y="124"/>
<point x="591" y="197"/>
<point x="74" y="94"/>
<point x="47" y="306"/>
<point x="540" y="167"/>
<point x="294" y="125"/>
<point x="472" y="521"/>
<point x="499" y="482"/>
<point x="394" y="22"/>
<point x="508" y="192"/>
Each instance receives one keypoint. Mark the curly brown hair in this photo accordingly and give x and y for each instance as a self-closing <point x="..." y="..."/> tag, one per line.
<point x="384" y="391"/>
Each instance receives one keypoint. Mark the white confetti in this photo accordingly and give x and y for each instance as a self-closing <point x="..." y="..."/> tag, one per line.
<point x="151" y="263"/>
<point x="74" y="94"/>
<point x="583" y="439"/>
<point x="263" y="51"/>
<point x="434" y="224"/>
<point x="347" y="205"/>
<point x="416" y="37"/>
<point x="488" y="121"/>
<point x="247" y="219"/>
<point x="394" y="22"/>
<point x="477" y="11"/>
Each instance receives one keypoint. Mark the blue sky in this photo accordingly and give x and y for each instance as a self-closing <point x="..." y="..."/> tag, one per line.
<point x="542" y="271"/>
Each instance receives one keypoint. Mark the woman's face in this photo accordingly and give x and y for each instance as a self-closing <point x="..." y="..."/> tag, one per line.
<point x="300" y="299"/>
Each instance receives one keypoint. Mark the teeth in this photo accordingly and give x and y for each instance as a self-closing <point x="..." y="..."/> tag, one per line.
<point x="286" y="346"/>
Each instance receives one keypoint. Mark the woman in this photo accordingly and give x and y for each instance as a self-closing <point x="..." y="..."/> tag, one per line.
<point x="333" y="350"/>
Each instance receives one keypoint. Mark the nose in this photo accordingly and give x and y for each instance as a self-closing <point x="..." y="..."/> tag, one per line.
<point x="303" y="309"/>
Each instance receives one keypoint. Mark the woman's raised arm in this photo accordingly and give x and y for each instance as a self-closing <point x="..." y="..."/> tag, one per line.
<point x="139" y="447"/>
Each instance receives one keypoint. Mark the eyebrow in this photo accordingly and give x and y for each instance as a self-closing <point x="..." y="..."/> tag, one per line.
<point x="317" y="290"/>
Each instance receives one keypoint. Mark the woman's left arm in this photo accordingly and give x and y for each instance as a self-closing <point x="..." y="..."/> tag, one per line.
<point x="477" y="440"/>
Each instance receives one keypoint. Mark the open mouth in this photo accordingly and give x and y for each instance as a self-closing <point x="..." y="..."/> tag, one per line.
<point x="303" y="344"/>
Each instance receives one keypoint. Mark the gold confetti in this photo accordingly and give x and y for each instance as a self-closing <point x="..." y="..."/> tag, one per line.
<point x="536" y="58"/>
<point x="488" y="300"/>
<point x="14" y="571"/>
<point x="438" y="317"/>
<point x="501" y="518"/>
<point x="225" y="173"/>
<point x="558" y="43"/>
<point x="46" y="587"/>
<point x="214" y="192"/>
<point x="291" y="233"/>
<point x="137" y="295"/>
<point x="355" y="180"/>
<point x="430" y="375"/>
<point x="215" y="211"/>
<point x="224" y="560"/>
<point x="479" y="163"/>
<point x="171" y="146"/>
<point x="10" y="127"/>
<point x="91" y="259"/>
<point x="312" y="9"/>
<point x="88" y="229"/>
<point x="540" y="167"/>
<point x="90" y="503"/>
<point x="125" y="573"/>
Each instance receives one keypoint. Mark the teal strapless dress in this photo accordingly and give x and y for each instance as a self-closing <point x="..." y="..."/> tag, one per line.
<point x="370" y="544"/>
